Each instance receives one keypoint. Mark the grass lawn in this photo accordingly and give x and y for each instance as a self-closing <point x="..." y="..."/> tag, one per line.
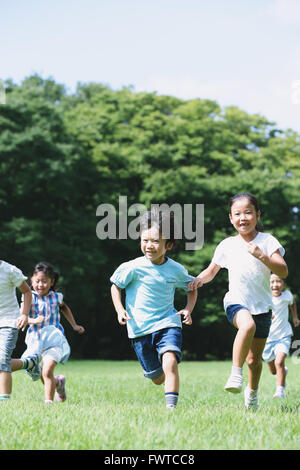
<point x="111" y="406"/>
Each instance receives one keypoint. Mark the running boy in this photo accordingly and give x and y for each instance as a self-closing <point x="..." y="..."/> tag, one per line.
<point x="153" y="324"/>
<point x="279" y="340"/>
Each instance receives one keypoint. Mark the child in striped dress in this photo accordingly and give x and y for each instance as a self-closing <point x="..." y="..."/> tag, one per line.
<point x="45" y="335"/>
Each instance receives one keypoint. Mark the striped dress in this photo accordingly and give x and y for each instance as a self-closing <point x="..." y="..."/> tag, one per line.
<point x="48" y="306"/>
<point x="48" y="337"/>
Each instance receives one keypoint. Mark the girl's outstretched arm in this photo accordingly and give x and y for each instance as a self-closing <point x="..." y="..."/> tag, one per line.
<point x="204" y="277"/>
<point x="66" y="311"/>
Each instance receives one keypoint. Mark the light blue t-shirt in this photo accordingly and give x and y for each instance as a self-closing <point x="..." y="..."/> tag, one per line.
<point x="150" y="292"/>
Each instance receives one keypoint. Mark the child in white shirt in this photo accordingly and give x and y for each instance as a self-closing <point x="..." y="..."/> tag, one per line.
<point x="279" y="340"/>
<point x="249" y="257"/>
<point x="11" y="320"/>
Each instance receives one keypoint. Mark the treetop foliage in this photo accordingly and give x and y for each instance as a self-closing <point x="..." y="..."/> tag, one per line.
<point x="62" y="155"/>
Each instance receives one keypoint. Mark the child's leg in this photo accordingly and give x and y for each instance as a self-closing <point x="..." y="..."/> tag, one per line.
<point x="8" y="339"/>
<point x="280" y="368"/>
<point x="5" y="384"/>
<point x="159" y="380"/>
<point x="254" y="362"/>
<point x="245" y="324"/>
<point x="48" y="378"/>
<point x="272" y="367"/>
<point x="170" y="368"/>
<point x="16" y="364"/>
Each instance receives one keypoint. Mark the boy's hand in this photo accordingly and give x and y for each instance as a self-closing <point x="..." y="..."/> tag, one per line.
<point x="187" y="317"/>
<point x="123" y="317"/>
<point x="79" y="329"/>
<point x="296" y="322"/>
<point x="195" y="283"/>
<point x="22" y="321"/>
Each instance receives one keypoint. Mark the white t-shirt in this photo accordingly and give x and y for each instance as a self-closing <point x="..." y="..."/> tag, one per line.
<point x="280" y="326"/>
<point x="249" y="278"/>
<point x="10" y="278"/>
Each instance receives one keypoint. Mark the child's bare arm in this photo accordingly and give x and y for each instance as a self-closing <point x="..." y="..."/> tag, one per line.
<point x="187" y="310"/>
<point x="22" y="320"/>
<point x="123" y="316"/>
<point x="204" y="277"/>
<point x="293" y="309"/>
<point x="66" y="311"/>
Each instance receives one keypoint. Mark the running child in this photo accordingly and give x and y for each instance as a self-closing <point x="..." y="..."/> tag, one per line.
<point x="249" y="256"/>
<point x="279" y="340"/>
<point x="153" y="324"/>
<point x="11" y="321"/>
<point x="45" y="336"/>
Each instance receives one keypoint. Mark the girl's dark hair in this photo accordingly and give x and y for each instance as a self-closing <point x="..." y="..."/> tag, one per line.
<point x="48" y="269"/>
<point x="163" y="220"/>
<point x="252" y="200"/>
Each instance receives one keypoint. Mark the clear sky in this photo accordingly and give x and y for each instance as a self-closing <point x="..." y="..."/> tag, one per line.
<point x="236" y="52"/>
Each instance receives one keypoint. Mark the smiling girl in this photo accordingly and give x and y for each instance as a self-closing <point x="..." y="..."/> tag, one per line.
<point x="250" y="256"/>
<point x="45" y="335"/>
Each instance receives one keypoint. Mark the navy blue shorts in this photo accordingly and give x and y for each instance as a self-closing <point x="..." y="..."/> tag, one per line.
<point x="262" y="320"/>
<point x="150" y="348"/>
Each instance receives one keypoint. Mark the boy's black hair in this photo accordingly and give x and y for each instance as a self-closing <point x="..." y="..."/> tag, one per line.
<point x="163" y="220"/>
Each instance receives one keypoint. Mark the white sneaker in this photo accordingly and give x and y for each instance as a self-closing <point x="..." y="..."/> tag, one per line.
<point x="279" y="394"/>
<point x="234" y="384"/>
<point x="251" y="399"/>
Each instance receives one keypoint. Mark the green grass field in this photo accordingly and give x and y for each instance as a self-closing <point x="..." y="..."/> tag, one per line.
<point x="111" y="406"/>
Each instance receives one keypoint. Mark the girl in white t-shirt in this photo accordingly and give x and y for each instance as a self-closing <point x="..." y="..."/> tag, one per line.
<point x="279" y="340"/>
<point x="249" y="256"/>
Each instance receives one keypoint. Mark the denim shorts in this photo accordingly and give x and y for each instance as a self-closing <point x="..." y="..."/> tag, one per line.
<point x="272" y="348"/>
<point x="8" y="340"/>
<point x="150" y="348"/>
<point x="262" y="320"/>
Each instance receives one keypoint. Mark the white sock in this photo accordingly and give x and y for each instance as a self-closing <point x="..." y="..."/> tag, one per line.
<point x="4" y="397"/>
<point x="279" y="388"/>
<point x="237" y="371"/>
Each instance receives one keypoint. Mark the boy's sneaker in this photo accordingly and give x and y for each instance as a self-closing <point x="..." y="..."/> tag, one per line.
<point x="60" y="393"/>
<point x="234" y="384"/>
<point x="251" y="399"/>
<point x="35" y="371"/>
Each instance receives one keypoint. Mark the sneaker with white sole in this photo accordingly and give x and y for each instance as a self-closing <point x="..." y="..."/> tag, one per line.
<point x="251" y="399"/>
<point x="35" y="371"/>
<point x="234" y="384"/>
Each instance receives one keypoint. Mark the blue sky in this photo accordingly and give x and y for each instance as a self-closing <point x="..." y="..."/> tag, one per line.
<point x="236" y="52"/>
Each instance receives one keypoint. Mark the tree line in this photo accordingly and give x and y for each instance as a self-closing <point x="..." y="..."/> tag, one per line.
<point x="62" y="155"/>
